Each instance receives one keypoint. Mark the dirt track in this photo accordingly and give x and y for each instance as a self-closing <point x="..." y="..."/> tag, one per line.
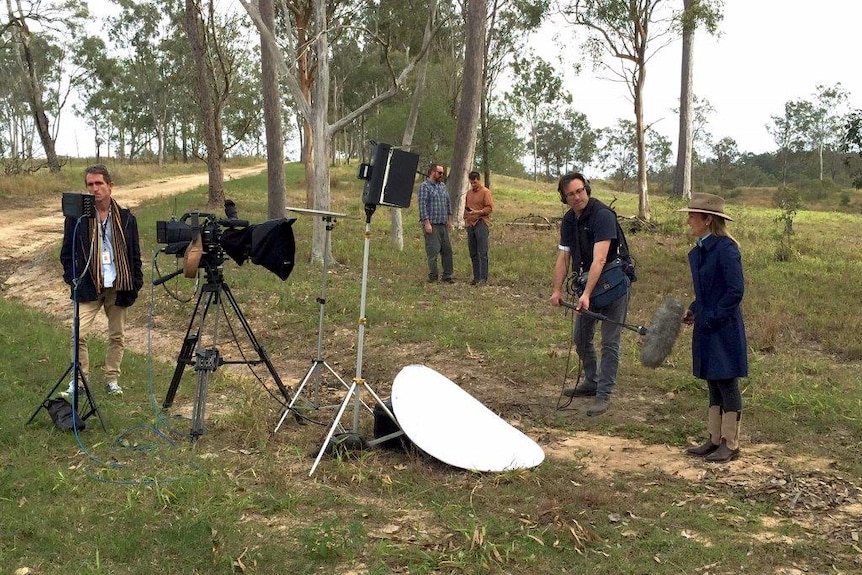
<point x="28" y="236"/>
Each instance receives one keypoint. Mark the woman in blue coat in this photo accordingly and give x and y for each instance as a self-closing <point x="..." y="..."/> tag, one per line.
<point x="718" y="346"/>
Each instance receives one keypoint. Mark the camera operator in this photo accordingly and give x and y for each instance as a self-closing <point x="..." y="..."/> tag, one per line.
<point x="107" y="261"/>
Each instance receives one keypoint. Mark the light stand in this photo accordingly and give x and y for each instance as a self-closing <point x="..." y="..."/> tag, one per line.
<point x="318" y="364"/>
<point x="207" y="360"/>
<point x="75" y="367"/>
<point x="353" y="392"/>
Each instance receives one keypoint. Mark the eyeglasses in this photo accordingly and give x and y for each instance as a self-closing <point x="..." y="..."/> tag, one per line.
<point x="575" y="192"/>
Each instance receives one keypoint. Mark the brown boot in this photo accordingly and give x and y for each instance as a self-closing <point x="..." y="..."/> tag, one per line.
<point x="713" y="426"/>
<point x="728" y="450"/>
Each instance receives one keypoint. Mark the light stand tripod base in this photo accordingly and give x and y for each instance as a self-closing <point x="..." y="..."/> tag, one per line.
<point x="353" y="392"/>
<point x="89" y="408"/>
<point x="313" y="375"/>
<point x="74" y="369"/>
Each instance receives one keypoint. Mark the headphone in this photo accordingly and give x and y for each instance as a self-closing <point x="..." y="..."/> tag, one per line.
<point x="564" y="181"/>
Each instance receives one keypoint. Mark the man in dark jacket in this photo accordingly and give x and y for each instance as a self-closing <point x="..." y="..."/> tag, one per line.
<point x="101" y="260"/>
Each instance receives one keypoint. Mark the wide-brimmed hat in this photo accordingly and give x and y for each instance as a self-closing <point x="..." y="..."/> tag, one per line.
<point x="192" y="257"/>
<point x="707" y="204"/>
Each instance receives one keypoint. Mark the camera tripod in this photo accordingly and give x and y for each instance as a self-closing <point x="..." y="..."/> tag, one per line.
<point x="206" y="360"/>
<point x="313" y="376"/>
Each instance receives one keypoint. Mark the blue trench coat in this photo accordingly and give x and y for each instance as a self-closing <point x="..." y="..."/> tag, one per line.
<point x="718" y="346"/>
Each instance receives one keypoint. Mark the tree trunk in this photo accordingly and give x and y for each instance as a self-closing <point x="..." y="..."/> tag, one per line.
<point x="34" y="95"/>
<point x="395" y="216"/>
<point x="682" y="174"/>
<point x="468" y="112"/>
<point x="210" y="124"/>
<point x="320" y="149"/>
<point x="272" y="119"/>
<point x="640" y="129"/>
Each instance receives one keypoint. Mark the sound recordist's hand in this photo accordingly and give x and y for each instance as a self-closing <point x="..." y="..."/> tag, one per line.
<point x="688" y="317"/>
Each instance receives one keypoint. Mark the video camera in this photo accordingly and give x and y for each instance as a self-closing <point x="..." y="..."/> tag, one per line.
<point x="270" y="244"/>
<point x="178" y="234"/>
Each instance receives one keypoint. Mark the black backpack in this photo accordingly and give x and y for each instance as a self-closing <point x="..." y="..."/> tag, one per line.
<point x="623" y="251"/>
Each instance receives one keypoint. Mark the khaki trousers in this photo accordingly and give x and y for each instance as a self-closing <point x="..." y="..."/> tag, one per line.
<point x="87" y="313"/>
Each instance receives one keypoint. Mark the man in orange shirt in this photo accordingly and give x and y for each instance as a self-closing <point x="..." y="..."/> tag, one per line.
<point x="477" y="211"/>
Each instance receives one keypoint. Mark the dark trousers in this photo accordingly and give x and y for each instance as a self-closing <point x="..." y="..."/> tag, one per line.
<point x="601" y="375"/>
<point x="437" y="242"/>
<point x="725" y="393"/>
<point x="477" y="243"/>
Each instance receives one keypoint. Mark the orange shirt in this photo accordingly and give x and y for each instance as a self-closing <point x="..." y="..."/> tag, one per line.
<point x="478" y="205"/>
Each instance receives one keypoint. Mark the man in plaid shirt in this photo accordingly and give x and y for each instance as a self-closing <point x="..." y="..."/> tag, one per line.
<point x="435" y="215"/>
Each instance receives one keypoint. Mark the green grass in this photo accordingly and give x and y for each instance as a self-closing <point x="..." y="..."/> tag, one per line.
<point x="140" y="498"/>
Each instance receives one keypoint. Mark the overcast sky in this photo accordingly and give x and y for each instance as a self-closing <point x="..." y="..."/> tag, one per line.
<point x="768" y="52"/>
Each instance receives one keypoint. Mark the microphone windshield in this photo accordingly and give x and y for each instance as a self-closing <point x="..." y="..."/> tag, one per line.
<point x="662" y="332"/>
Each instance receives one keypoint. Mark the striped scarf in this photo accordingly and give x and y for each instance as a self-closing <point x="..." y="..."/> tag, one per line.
<point x="121" y="260"/>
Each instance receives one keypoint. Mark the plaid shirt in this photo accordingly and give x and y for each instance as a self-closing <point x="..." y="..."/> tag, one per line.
<point x="434" y="202"/>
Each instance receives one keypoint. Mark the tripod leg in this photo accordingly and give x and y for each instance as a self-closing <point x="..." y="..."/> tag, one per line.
<point x="91" y="401"/>
<point x="190" y="342"/>
<point x="50" y="393"/>
<point x="309" y="376"/>
<point x="198" y="412"/>
<point x="207" y="362"/>
<point x="184" y="359"/>
<point x="335" y="424"/>
<point x="261" y="352"/>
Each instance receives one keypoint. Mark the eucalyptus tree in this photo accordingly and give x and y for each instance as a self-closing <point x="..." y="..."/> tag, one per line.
<point x="42" y="36"/>
<point x="617" y="151"/>
<point x="700" y="137"/>
<point x="504" y="146"/>
<point x="420" y="85"/>
<point x="472" y="81"/>
<point x="143" y="30"/>
<point x="220" y="51"/>
<point x="552" y="143"/>
<point x="16" y="123"/>
<point x="725" y="153"/>
<point x="829" y="115"/>
<point x="565" y="142"/>
<point x="509" y="23"/>
<point x="315" y="111"/>
<point x="537" y="92"/>
<point x="271" y="93"/>
<point x="623" y="36"/>
<point x="788" y="131"/>
<point x="695" y="13"/>
<point x="811" y="126"/>
<point x="851" y="144"/>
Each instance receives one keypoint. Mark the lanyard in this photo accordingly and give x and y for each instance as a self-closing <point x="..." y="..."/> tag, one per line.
<point x="104" y="226"/>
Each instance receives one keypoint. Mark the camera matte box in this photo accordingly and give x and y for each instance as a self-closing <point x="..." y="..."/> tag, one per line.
<point x="391" y="178"/>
